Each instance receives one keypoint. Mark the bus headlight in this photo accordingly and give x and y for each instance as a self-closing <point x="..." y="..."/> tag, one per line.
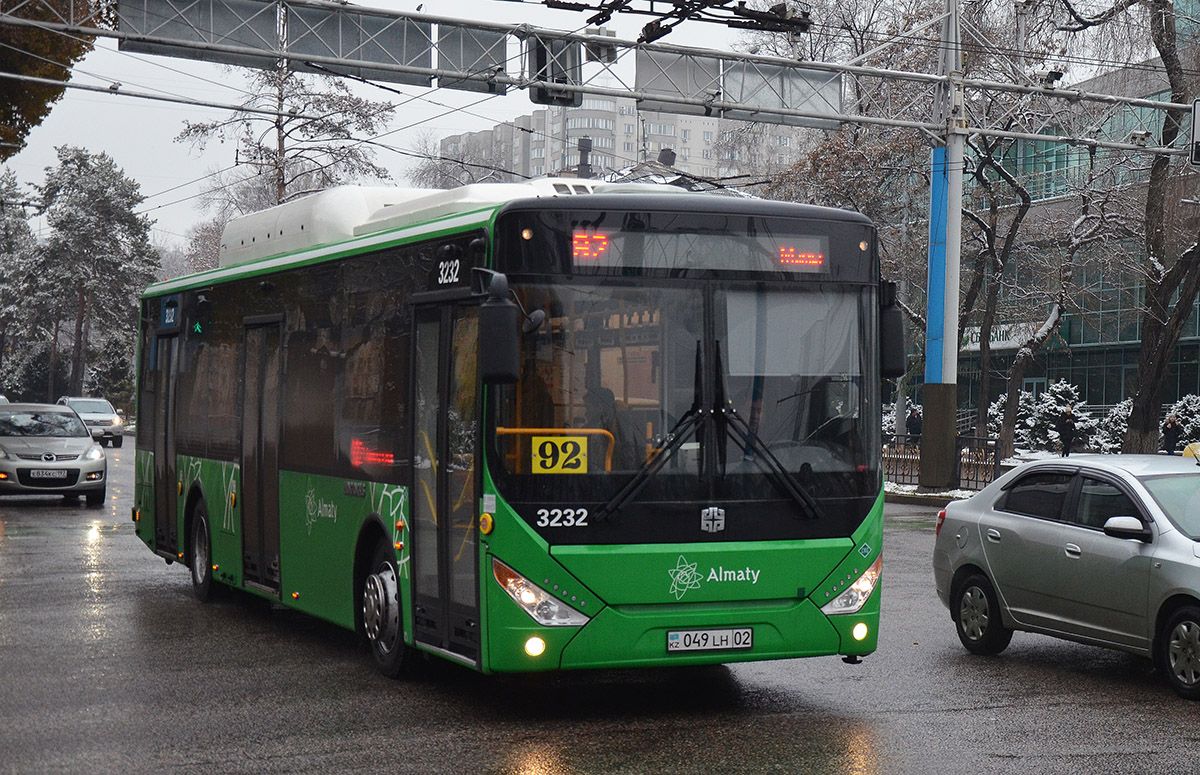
<point x="545" y="609"/>
<point x="855" y="596"/>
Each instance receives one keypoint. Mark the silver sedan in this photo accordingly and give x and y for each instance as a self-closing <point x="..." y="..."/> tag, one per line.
<point x="46" y="449"/>
<point x="1100" y="549"/>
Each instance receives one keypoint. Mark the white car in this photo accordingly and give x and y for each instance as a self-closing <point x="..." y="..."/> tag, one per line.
<point x="106" y="423"/>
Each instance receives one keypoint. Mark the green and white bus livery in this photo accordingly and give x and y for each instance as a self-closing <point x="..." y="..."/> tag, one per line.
<point x="536" y="426"/>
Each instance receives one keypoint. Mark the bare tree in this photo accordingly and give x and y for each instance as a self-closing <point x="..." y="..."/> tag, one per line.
<point x="317" y="138"/>
<point x="1172" y="251"/>
<point x="474" y="161"/>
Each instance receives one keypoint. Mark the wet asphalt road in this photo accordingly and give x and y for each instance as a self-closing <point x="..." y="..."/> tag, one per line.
<point x="108" y="664"/>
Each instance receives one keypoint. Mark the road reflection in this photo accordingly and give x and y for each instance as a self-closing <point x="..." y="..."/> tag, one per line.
<point x="95" y="610"/>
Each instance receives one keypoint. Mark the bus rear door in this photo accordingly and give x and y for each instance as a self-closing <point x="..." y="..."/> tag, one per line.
<point x="166" y="522"/>
<point x="445" y="480"/>
<point x="260" y="452"/>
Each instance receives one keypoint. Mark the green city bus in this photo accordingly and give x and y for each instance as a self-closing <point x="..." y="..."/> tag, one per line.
<point x="550" y="425"/>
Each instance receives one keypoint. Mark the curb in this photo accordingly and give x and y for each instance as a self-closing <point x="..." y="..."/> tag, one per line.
<point x="918" y="500"/>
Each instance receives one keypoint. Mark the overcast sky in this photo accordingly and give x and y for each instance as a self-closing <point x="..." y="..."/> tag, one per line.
<point x="139" y="134"/>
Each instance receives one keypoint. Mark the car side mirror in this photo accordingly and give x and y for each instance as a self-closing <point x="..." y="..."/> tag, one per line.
<point x="1127" y="527"/>
<point x="121" y="413"/>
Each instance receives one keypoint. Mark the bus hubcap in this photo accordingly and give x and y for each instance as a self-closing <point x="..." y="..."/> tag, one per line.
<point x="200" y="550"/>
<point x="381" y="613"/>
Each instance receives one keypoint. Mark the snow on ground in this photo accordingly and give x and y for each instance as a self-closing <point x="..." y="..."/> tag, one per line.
<point x="911" y="489"/>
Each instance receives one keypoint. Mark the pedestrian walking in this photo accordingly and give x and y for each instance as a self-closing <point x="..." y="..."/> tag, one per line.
<point x="1171" y="432"/>
<point x="1065" y="425"/>
<point x="912" y="424"/>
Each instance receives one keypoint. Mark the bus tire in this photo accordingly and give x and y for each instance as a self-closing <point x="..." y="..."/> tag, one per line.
<point x="200" y="554"/>
<point x="383" y="624"/>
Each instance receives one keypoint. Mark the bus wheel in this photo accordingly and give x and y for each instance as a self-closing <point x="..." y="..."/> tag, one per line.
<point x="381" y="613"/>
<point x="201" y="554"/>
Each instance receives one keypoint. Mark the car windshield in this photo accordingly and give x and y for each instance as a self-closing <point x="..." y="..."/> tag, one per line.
<point x="1179" y="496"/>
<point x="37" y="422"/>
<point x="91" y="405"/>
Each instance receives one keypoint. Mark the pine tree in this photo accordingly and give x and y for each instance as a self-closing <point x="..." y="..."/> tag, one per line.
<point x="1025" y="410"/>
<point x="1047" y="410"/>
<point x="98" y="256"/>
<point x="17" y="249"/>
<point x="1187" y="411"/>
<point x="1111" y="433"/>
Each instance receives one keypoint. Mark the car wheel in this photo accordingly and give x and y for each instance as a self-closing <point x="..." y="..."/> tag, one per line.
<point x="201" y="555"/>
<point x="977" y="616"/>
<point x="1178" y="648"/>
<point x="96" y="499"/>
<point x="382" y="623"/>
<point x="117" y="442"/>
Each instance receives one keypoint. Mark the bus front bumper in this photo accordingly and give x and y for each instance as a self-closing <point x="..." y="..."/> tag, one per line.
<point x="636" y="635"/>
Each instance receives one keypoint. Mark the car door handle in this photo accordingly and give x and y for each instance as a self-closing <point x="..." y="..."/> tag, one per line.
<point x="1073" y="551"/>
<point x="993" y="535"/>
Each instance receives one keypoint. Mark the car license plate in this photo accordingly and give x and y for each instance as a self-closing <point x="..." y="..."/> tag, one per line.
<point x="48" y="473"/>
<point x="710" y="640"/>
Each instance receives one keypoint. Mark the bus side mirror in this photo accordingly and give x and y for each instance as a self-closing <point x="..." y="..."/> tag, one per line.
<point x="892" y="353"/>
<point x="499" y="334"/>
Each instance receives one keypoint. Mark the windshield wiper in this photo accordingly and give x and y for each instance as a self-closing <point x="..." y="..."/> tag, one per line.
<point x="683" y="430"/>
<point x="745" y="437"/>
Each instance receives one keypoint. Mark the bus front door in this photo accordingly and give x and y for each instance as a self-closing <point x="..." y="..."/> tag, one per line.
<point x="260" y="454"/>
<point x="166" y="488"/>
<point x="445" y="492"/>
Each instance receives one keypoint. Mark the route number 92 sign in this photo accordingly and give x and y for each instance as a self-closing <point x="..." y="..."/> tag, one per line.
<point x="559" y="455"/>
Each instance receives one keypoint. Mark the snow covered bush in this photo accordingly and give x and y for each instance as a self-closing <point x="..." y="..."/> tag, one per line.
<point x="1187" y="411"/>
<point x="1046" y="411"/>
<point x="1111" y="433"/>
<point x="889" y="415"/>
<point x="1025" y="406"/>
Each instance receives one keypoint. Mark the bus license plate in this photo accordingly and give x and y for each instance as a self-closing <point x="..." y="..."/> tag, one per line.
<point x="48" y="473"/>
<point x="710" y="640"/>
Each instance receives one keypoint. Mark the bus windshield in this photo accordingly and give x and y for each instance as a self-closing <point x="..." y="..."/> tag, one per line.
<point x="616" y="375"/>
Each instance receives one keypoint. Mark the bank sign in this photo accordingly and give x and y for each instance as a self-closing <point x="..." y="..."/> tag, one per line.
<point x="1005" y="336"/>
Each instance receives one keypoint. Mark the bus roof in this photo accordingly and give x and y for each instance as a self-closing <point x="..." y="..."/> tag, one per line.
<point x="354" y="218"/>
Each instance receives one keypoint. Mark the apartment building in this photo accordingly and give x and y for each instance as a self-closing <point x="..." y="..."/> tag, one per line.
<point x="546" y="141"/>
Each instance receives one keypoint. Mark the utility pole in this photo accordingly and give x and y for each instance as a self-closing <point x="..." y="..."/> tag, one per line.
<point x="939" y="447"/>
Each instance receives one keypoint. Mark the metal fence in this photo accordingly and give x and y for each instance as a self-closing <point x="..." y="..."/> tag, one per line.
<point x="978" y="463"/>
<point x="901" y="459"/>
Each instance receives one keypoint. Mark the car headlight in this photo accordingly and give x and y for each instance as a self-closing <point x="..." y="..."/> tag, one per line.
<point x="855" y="596"/>
<point x="545" y="609"/>
<point x="95" y="453"/>
<point x="117" y="423"/>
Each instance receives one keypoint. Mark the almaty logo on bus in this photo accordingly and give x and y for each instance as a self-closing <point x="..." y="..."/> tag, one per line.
<point x="685" y="576"/>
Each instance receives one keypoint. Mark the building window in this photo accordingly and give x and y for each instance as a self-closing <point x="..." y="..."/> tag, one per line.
<point x="537" y="153"/>
<point x="708" y="137"/>
<point x="629" y="147"/>
<point x="588" y="122"/>
<point x="629" y="129"/>
<point x="707" y="154"/>
<point x="667" y="130"/>
<point x="784" y="141"/>
<point x="603" y="142"/>
<point x="685" y="134"/>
